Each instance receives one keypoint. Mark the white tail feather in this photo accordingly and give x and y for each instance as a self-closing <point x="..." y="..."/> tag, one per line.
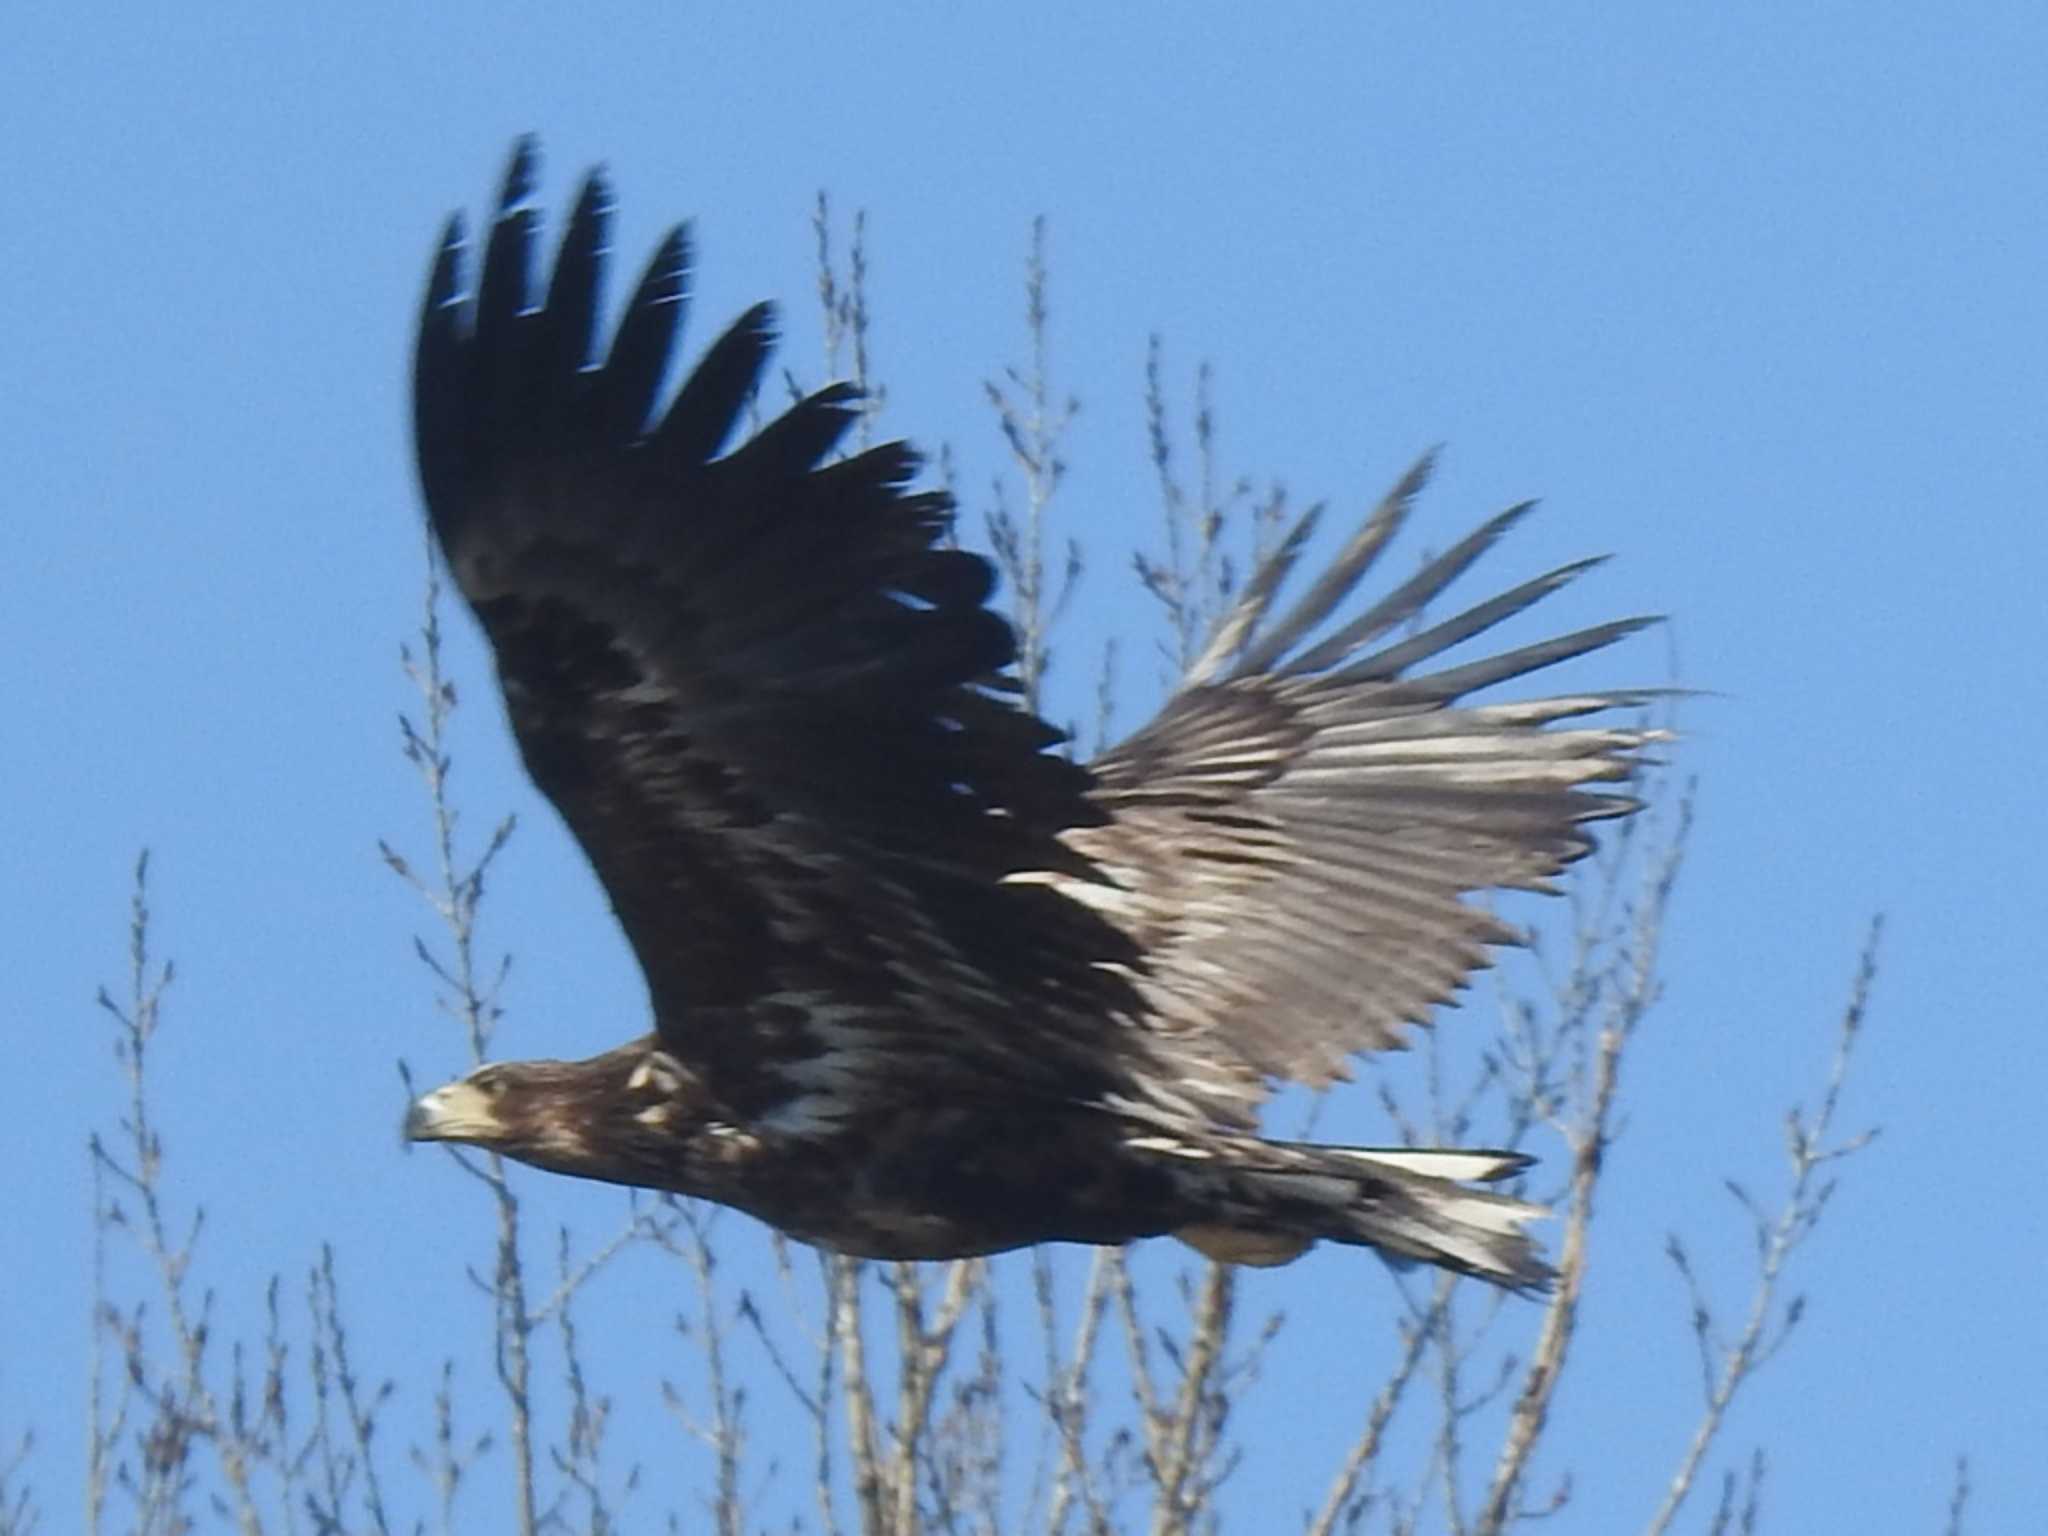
<point x="1413" y="1204"/>
<point x="1440" y="1163"/>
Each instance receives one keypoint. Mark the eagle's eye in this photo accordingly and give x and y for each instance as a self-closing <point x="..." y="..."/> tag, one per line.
<point x="492" y="1084"/>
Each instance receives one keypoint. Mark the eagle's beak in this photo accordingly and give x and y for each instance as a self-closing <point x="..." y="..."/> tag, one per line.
<point x="460" y="1111"/>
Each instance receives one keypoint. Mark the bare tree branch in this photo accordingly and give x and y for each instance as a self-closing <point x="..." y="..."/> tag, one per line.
<point x="1809" y="1149"/>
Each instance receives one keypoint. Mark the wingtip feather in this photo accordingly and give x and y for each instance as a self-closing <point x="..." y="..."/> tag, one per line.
<point x="522" y="173"/>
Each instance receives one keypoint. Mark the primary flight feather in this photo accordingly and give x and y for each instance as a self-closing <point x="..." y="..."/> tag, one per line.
<point x="922" y="987"/>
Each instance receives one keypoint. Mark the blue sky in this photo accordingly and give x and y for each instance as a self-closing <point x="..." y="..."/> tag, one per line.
<point x="1750" y="295"/>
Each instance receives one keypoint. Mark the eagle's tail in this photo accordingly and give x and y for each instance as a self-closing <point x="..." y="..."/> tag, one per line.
<point x="1413" y="1204"/>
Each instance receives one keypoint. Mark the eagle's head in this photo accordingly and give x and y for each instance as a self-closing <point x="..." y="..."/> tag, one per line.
<point x="630" y="1116"/>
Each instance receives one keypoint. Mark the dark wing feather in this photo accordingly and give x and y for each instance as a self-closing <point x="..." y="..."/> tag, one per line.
<point x="1294" y="835"/>
<point x="772" y="708"/>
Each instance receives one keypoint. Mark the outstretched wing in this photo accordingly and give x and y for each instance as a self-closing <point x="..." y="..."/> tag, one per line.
<point x="1294" y="835"/>
<point x="772" y="708"/>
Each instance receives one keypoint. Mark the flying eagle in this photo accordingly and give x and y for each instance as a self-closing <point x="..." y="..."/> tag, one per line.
<point x="922" y="986"/>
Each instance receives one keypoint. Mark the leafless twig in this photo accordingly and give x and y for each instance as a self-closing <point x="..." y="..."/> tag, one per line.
<point x="1033" y="425"/>
<point x="1811" y="1151"/>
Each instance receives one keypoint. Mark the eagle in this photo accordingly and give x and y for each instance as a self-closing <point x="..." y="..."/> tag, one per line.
<point x="922" y="985"/>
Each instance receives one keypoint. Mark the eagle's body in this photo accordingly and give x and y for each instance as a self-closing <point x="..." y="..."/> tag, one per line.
<point x="922" y="987"/>
<point x="940" y="1181"/>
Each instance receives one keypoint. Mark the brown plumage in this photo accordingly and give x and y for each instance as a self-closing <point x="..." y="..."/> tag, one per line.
<point x="921" y="986"/>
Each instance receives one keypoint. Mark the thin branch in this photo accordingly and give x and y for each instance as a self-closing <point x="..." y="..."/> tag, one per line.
<point x="1360" y="1460"/>
<point x="1958" y="1498"/>
<point x="1588" y="1137"/>
<point x="725" y="1433"/>
<point x="456" y="894"/>
<point x="857" y="1392"/>
<point x="1034" y="426"/>
<point x="1810" y="1149"/>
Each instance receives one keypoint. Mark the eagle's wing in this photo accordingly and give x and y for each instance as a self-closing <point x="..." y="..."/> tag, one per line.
<point x="771" y="706"/>
<point x="1293" y="837"/>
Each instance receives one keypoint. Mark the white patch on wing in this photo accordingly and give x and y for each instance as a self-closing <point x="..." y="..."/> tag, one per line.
<point x="807" y="1115"/>
<point x="829" y="1073"/>
<point x="1113" y="901"/>
<point x="1170" y="1145"/>
<point x="658" y="1071"/>
<point x="852" y="1052"/>
<point x="645" y="691"/>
